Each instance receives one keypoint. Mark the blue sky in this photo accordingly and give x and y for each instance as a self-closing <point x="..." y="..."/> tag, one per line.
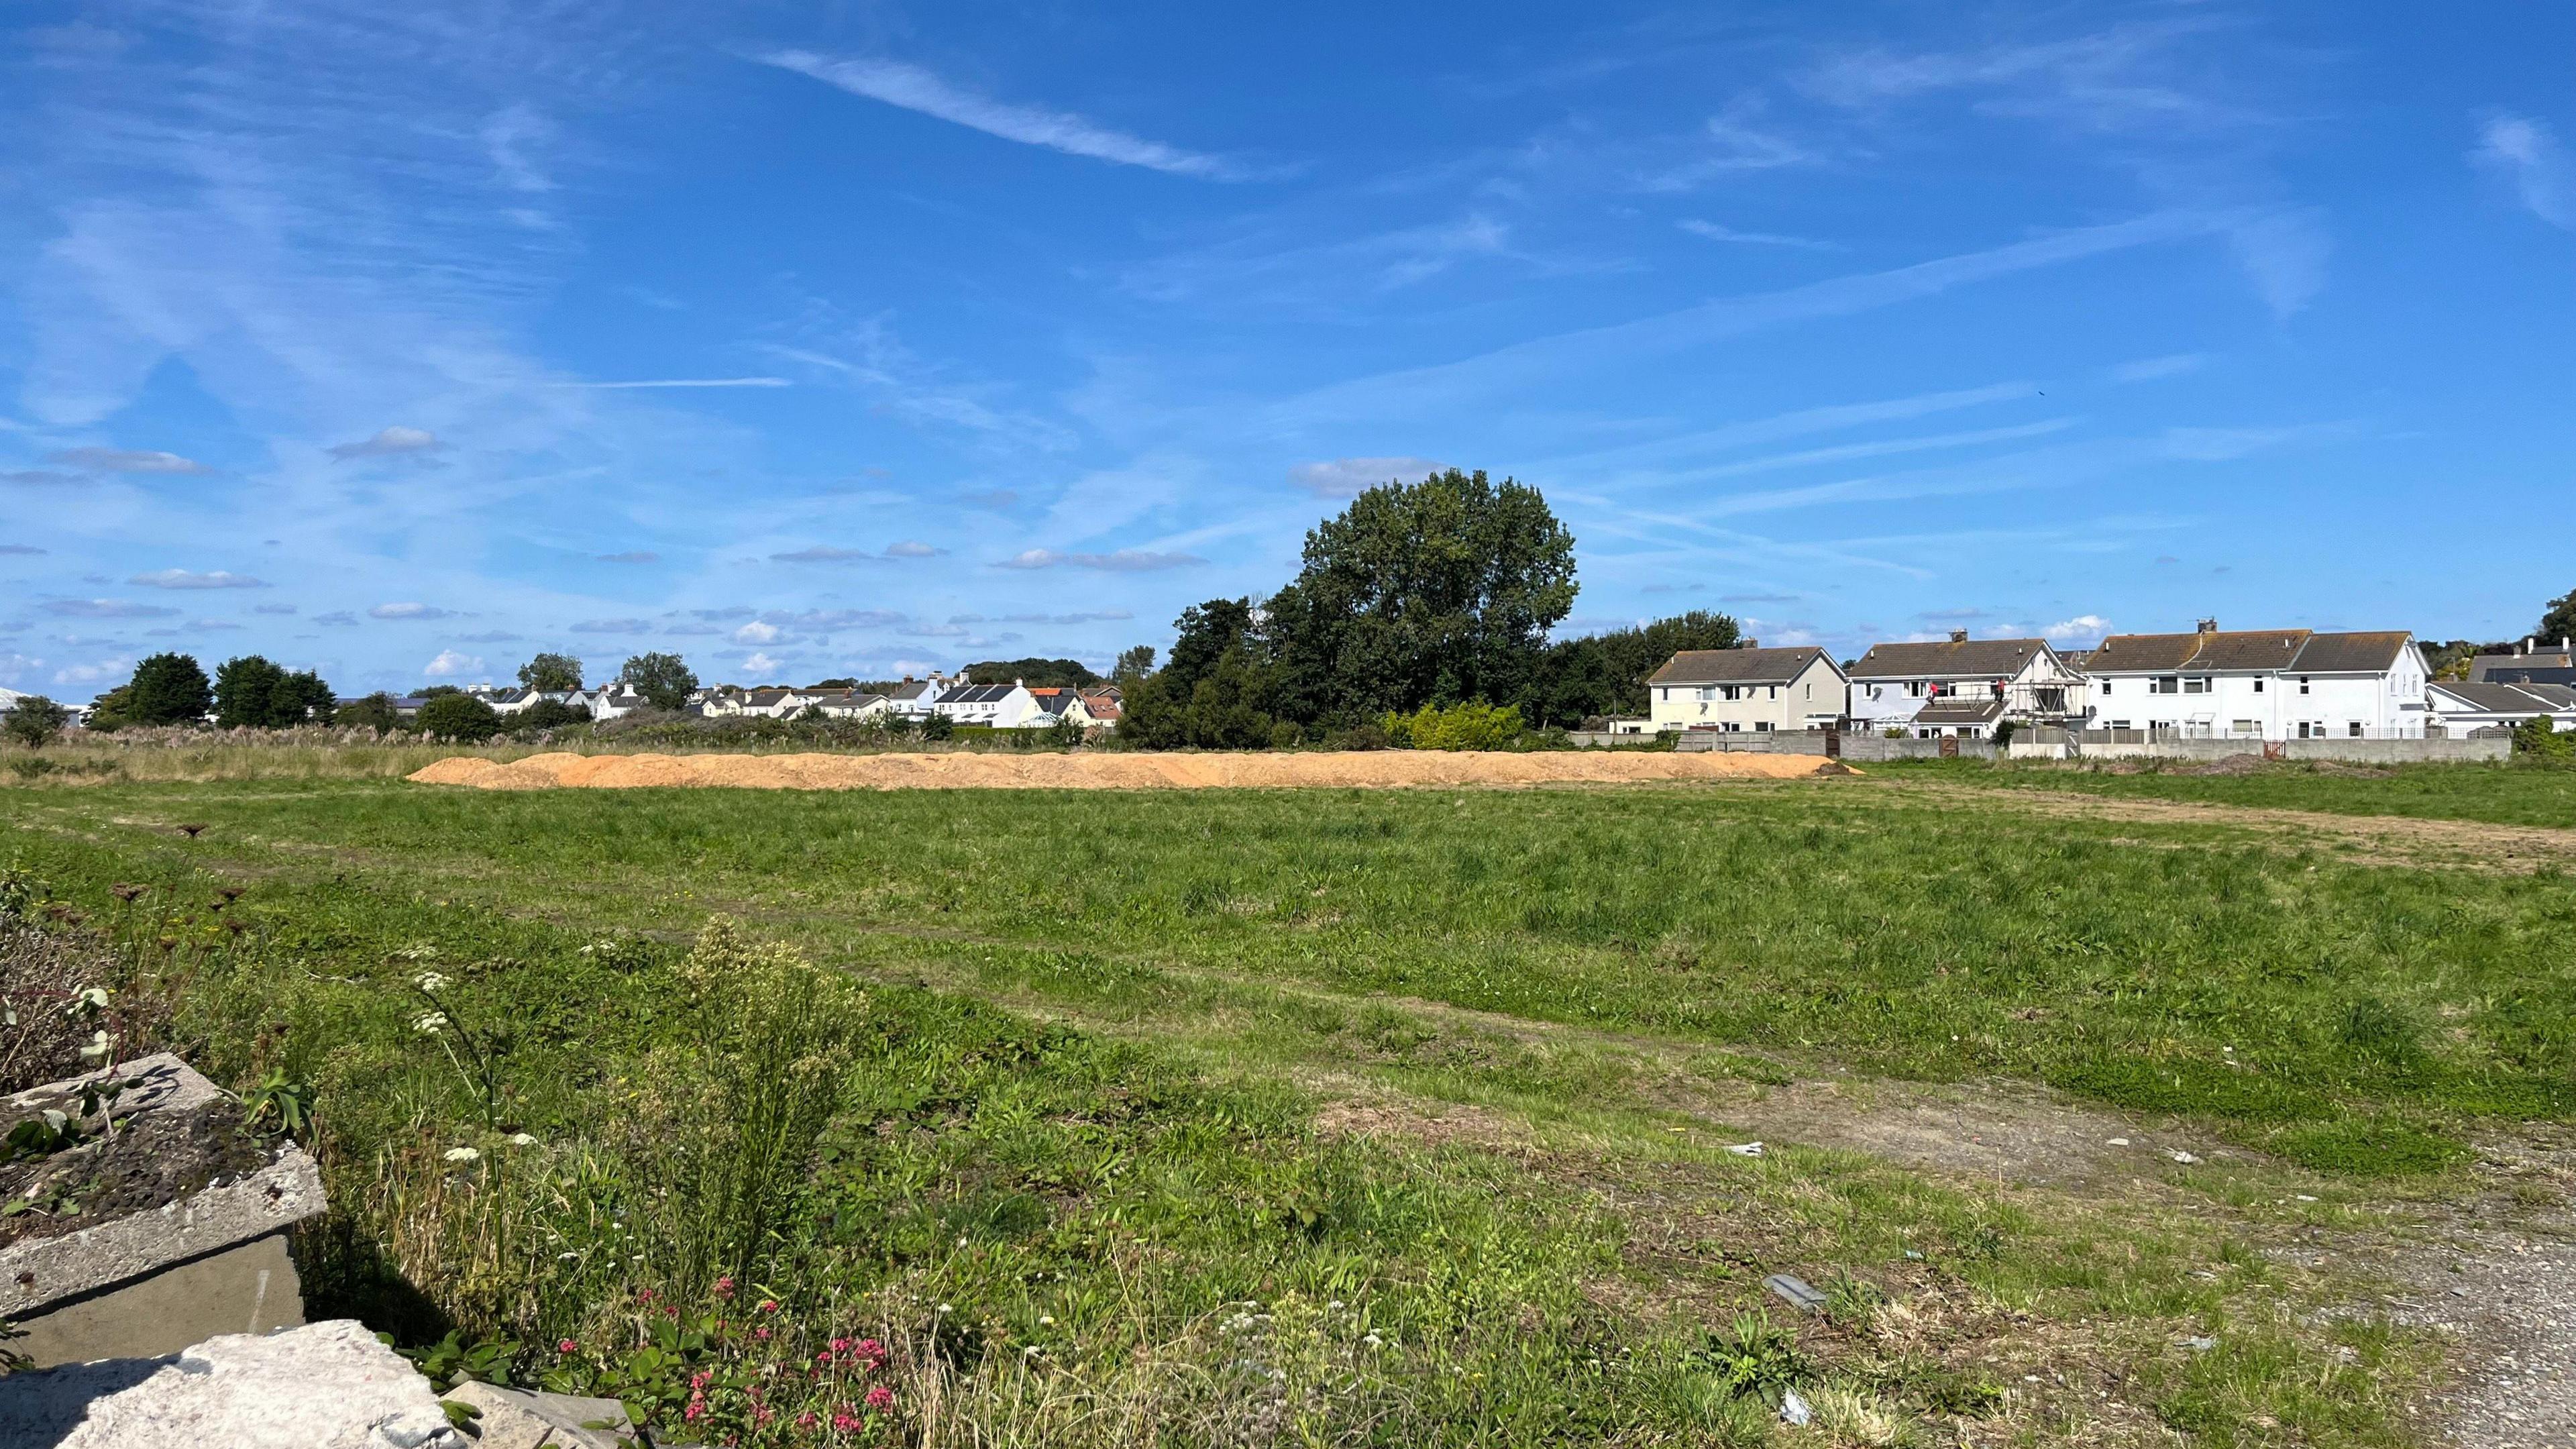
<point x="403" y="341"/>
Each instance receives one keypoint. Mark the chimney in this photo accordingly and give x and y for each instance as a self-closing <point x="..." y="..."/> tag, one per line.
<point x="2526" y="646"/>
<point x="1958" y="636"/>
<point x="2209" y="626"/>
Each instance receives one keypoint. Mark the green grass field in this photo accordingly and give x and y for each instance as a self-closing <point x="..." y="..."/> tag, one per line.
<point x="1101" y="1093"/>
<point x="2501" y="794"/>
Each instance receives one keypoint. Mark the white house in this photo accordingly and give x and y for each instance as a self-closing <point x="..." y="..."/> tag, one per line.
<point x="2266" y="684"/>
<point x="850" y="704"/>
<point x="1746" y="691"/>
<point x="608" y="701"/>
<point x="1049" y="704"/>
<point x="919" y="698"/>
<point x="2027" y="678"/>
<point x="1000" y="706"/>
<point x="2460" y="706"/>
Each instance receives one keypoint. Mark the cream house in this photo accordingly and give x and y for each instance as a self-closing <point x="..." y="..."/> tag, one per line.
<point x="2028" y="678"/>
<point x="1746" y="691"/>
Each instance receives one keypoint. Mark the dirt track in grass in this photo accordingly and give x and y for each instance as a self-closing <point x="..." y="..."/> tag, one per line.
<point x="2384" y="839"/>
<point x="1373" y="769"/>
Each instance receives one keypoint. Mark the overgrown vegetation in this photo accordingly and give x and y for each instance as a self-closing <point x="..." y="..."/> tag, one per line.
<point x="1122" y="1225"/>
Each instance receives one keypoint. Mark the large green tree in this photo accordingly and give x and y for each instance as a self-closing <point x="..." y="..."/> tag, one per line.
<point x="1605" y="674"/>
<point x="664" y="680"/>
<point x="166" y="689"/>
<point x="2559" y="622"/>
<point x="459" y="717"/>
<point x="254" y="692"/>
<point x="551" y="674"/>
<point x="1420" y="593"/>
<point x="1033" y="672"/>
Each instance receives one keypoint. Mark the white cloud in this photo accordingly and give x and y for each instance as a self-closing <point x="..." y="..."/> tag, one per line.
<point x="392" y="442"/>
<point x="105" y="609"/>
<point x="2220" y="445"/>
<point x="824" y="553"/>
<point x="761" y="663"/>
<point x="1350" y="477"/>
<point x="756" y="632"/>
<point x="272" y="608"/>
<point x="1125" y="560"/>
<point x="93" y="673"/>
<point x="182" y="579"/>
<point x="125" y="460"/>
<point x="2081" y="627"/>
<point x="450" y="662"/>
<point x="2284" y="254"/>
<point x="613" y="626"/>
<point x="910" y="548"/>
<point x="1715" y="232"/>
<point x="915" y="89"/>
<point x="409" y="611"/>
<point x="2525" y="153"/>
<point x="508" y="138"/>
<point x="2148" y="369"/>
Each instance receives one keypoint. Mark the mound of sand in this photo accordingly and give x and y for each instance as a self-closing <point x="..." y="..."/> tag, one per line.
<point x="963" y="771"/>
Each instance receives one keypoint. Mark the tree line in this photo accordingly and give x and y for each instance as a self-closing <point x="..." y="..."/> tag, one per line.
<point x="1436" y="593"/>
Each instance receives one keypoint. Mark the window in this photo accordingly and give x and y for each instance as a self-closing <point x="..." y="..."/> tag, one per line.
<point x="2356" y="729"/>
<point x="2197" y="684"/>
<point x="2303" y="684"/>
<point x="2119" y="724"/>
<point x="2249" y="727"/>
<point x="2106" y="686"/>
<point x="2164" y="684"/>
<point x="1914" y="689"/>
<point x="2258" y="684"/>
<point x="1708" y="694"/>
<point x="1763" y="726"/>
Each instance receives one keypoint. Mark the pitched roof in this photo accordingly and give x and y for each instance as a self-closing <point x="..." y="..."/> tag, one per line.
<point x="2506" y="698"/>
<point x="1103" y="705"/>
<point x="2155" y="653"/>
<point x="2549" y="664"/>
<point x="978" y="694"/>
<point x="1948" y="659"/>
<point x="1959" y="710"/>
<point x="1738" y="666"/>
<point x="2351" y="653"/>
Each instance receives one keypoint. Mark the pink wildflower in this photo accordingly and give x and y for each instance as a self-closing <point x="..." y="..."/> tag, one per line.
<point x="881" y="1398"/>
<point x="696" y="1410"/>
<point x="567" y="1346"/>
<point x="872" y="1351"/>
<point x="769" y="1305"/>
<point x="807" y="1420"/>
<point x="844" y="1420"/>
<point x="643" y="1295"/>
<point x="724" y="1287"/>
<point x="761" y="1333"/>
<point x="840" y="1345"/>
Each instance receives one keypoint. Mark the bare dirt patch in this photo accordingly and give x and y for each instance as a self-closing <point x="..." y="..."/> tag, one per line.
<point x="1364" y="769"/>
<point x="2393" y="839"/>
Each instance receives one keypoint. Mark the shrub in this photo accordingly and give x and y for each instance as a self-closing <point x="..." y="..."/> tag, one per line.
<point x="2542" y="740"/>
<point x="459" y="717"/>
<point x="35" y="720"/>
<point x="1468" y="725"/>
<point x="550" y="714"/>
<point x="374" y="712"/>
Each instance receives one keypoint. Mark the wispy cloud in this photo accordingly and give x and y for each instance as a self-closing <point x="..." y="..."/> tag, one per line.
<point x="912" y="548"/>
<point x="494" y="636"/>
<point x="2220" y="445"/>
<point x="125" y="460"/>
<point x="1715" y="232"/>
<point x="914" y="89"/>
<point x="2148" y="369"/>
<point x="1125" y="560"/>
<point x="409" y="611"/>
<point x="825" y="553"/>
<point x="1735" y="141"/>
<point x="652" y="382"/>
<point x="392" y="442"/>
<point x="106" y="609"/>
<point x="636" y="556"/>
<point x="37" y="477"/>
<point x="1350" y="477"/>
<point x="25" y="549"/>
<point x="613" y="626"/>
<point x="2526" y="153"/>
<point x="273" y="609"/>
<point x="1101" y="616"/>
<point x="183" y="579"/>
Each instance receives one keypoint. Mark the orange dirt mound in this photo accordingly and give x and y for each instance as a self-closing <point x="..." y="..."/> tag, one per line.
<point x="1383" y="769"/>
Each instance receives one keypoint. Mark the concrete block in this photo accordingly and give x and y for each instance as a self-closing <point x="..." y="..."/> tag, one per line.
<point x="44" y="1276"/>
<point x="327" y="1386"/>
<point x="520" y="1419"/>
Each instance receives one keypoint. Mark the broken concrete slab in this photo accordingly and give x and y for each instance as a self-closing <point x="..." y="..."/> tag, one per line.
<point x="1795" y="1291"/>
<point x="325" y="1386"/>
<point x="95" y="1293"/>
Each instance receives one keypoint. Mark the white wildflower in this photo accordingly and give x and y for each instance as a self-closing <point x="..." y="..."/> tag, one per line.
<point x="463" y="1154"/>
<point x="523" y="1139"/>
<point x="430" y="981"/>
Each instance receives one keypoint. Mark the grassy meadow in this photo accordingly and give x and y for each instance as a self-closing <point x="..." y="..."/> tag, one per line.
<point x="2512" y="793"/>
<point x="1330" y="1117"/>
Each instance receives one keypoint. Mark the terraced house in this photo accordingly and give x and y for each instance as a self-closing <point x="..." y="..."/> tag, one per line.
<point x="1962" y="687"/>
<point x="2262" y="684"/>
<point x="1746" y="691"/>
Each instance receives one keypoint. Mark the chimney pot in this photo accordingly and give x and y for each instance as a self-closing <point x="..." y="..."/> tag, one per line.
<point x="1958" y="636"/>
